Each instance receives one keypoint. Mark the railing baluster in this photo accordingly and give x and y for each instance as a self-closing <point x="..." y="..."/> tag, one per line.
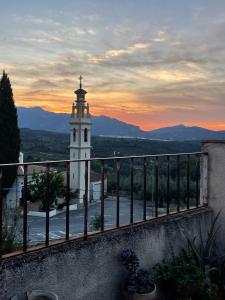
<point x="132" y="191"/>
<point x="178" y="183"/>
<point x="168" y="187"/>
<point x="67" y="200"/>
<point x="25" y="198"/>
<point x="102" y="197"/>
<point x="156" y="185"/>
<point x="1" y="213"/>
<point x="197" y="179"/>
<point x="86" y="201"/>
<point x="117" y="193"/>
<point x="188" y="181"/>
<point x="47" y="205"/>
<point x="145" y="188"/>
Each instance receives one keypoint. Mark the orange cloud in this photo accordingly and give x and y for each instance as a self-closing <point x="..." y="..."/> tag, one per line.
<point x="170" y="76"/>
<point x="118" y="52"/>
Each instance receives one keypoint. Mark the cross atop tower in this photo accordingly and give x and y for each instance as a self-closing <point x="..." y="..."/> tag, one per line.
<point x="80" y="78"/>
<point x="80" y="92"/>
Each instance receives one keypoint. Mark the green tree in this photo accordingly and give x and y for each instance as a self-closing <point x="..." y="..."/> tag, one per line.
<point x="9" y="132"/>
<point x="38" y="188"/>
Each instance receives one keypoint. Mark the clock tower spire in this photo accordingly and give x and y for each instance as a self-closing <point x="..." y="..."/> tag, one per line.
<point x="80" y="142"/>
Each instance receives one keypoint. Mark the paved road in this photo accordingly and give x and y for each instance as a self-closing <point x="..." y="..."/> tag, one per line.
<point x="36" y="225"/>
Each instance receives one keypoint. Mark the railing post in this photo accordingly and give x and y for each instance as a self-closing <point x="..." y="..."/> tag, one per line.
<point x="86" y="201"/>
<point x="178" y="183"/>
<point x="156" y="185"/>
<point x="117" y="193"/>
<point x="132" y="191"/>
<point x="145" y="188"/>
<point x="67" y="200"/>
<point x="197" y="180"/>
<point x="47" y="205"/>
<point x="1" y="214"/>
<point x="25" y="199"/>
<point x="102" y="197"/>
<point x="188" y="181"/>
<point x="168" y="186"/>
<point x="204" y="179"/>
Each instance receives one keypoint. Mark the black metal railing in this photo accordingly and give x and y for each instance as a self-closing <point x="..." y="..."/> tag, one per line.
<point x="168" y="184"/>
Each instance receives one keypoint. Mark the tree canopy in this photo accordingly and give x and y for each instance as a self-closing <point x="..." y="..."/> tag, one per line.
<point x="9" y="131"/>
<point x="38" y="188"/>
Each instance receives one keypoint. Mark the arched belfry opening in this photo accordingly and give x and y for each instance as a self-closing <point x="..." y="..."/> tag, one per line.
<point x="85" y="135"/>
<point x="74" y="134"/>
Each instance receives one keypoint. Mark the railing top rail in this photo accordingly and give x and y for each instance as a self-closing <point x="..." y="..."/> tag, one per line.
<point x="101" y="158"/>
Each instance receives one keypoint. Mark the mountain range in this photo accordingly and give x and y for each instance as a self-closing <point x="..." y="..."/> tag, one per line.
<point x="37" y="118"/>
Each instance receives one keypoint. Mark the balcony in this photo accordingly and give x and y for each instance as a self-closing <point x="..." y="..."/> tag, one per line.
<point x="161" y="195"/>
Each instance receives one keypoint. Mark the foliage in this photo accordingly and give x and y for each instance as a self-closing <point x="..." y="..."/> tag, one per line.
<point x="191" y="273"/>
<point x="96" y="222"/>
<point x="10" y="231"/>
<point x="204" y="254"/>
<point x="38" y="188"/>
<point x="218" y="276"/>
<point x="138" y="280"/>
<point x="9" y="132"/>
<point x="44" y="145"/>
<point x="181" y="277"/>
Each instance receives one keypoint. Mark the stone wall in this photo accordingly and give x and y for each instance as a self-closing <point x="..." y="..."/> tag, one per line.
<point x="91" y="269"/>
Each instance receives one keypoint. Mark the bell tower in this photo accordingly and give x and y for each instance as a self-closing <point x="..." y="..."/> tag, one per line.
<point x="80" y="142"/>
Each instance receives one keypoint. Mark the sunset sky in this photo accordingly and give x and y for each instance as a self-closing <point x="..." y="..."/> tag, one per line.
<point x="151" y="63"/>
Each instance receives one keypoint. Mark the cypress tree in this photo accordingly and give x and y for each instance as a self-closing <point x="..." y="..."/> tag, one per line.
<point x="9" y="132"/>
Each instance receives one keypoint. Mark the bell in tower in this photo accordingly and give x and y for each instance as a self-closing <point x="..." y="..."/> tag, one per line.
<point x="81" y="108"/>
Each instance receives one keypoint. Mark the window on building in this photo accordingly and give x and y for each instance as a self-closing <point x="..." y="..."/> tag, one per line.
<point x="74" y="135"/>
<point x="85" y="135"/>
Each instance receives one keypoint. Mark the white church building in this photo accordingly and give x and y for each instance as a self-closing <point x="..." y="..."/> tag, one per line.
<point x="80" y="142"/>
<point x="80" y="148"/>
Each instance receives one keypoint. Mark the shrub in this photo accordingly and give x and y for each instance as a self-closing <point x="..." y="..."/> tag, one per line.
<point x="10" y="231"/>
<point x="96" y="222"/>
<point x="191" y="273"/>
<point x="181" y="277"/>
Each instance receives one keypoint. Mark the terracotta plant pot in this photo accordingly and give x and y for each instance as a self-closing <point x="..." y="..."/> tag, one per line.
<point x="149" y="296"/>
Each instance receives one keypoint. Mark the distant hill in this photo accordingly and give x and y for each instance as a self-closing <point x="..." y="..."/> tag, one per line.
<point x="38" y="119"/>
<point x="181" y="132"/>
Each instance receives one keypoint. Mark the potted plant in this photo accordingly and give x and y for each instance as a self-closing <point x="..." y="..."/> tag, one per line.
<point x="138" y="284"/>
<point x="194" y="273"/>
